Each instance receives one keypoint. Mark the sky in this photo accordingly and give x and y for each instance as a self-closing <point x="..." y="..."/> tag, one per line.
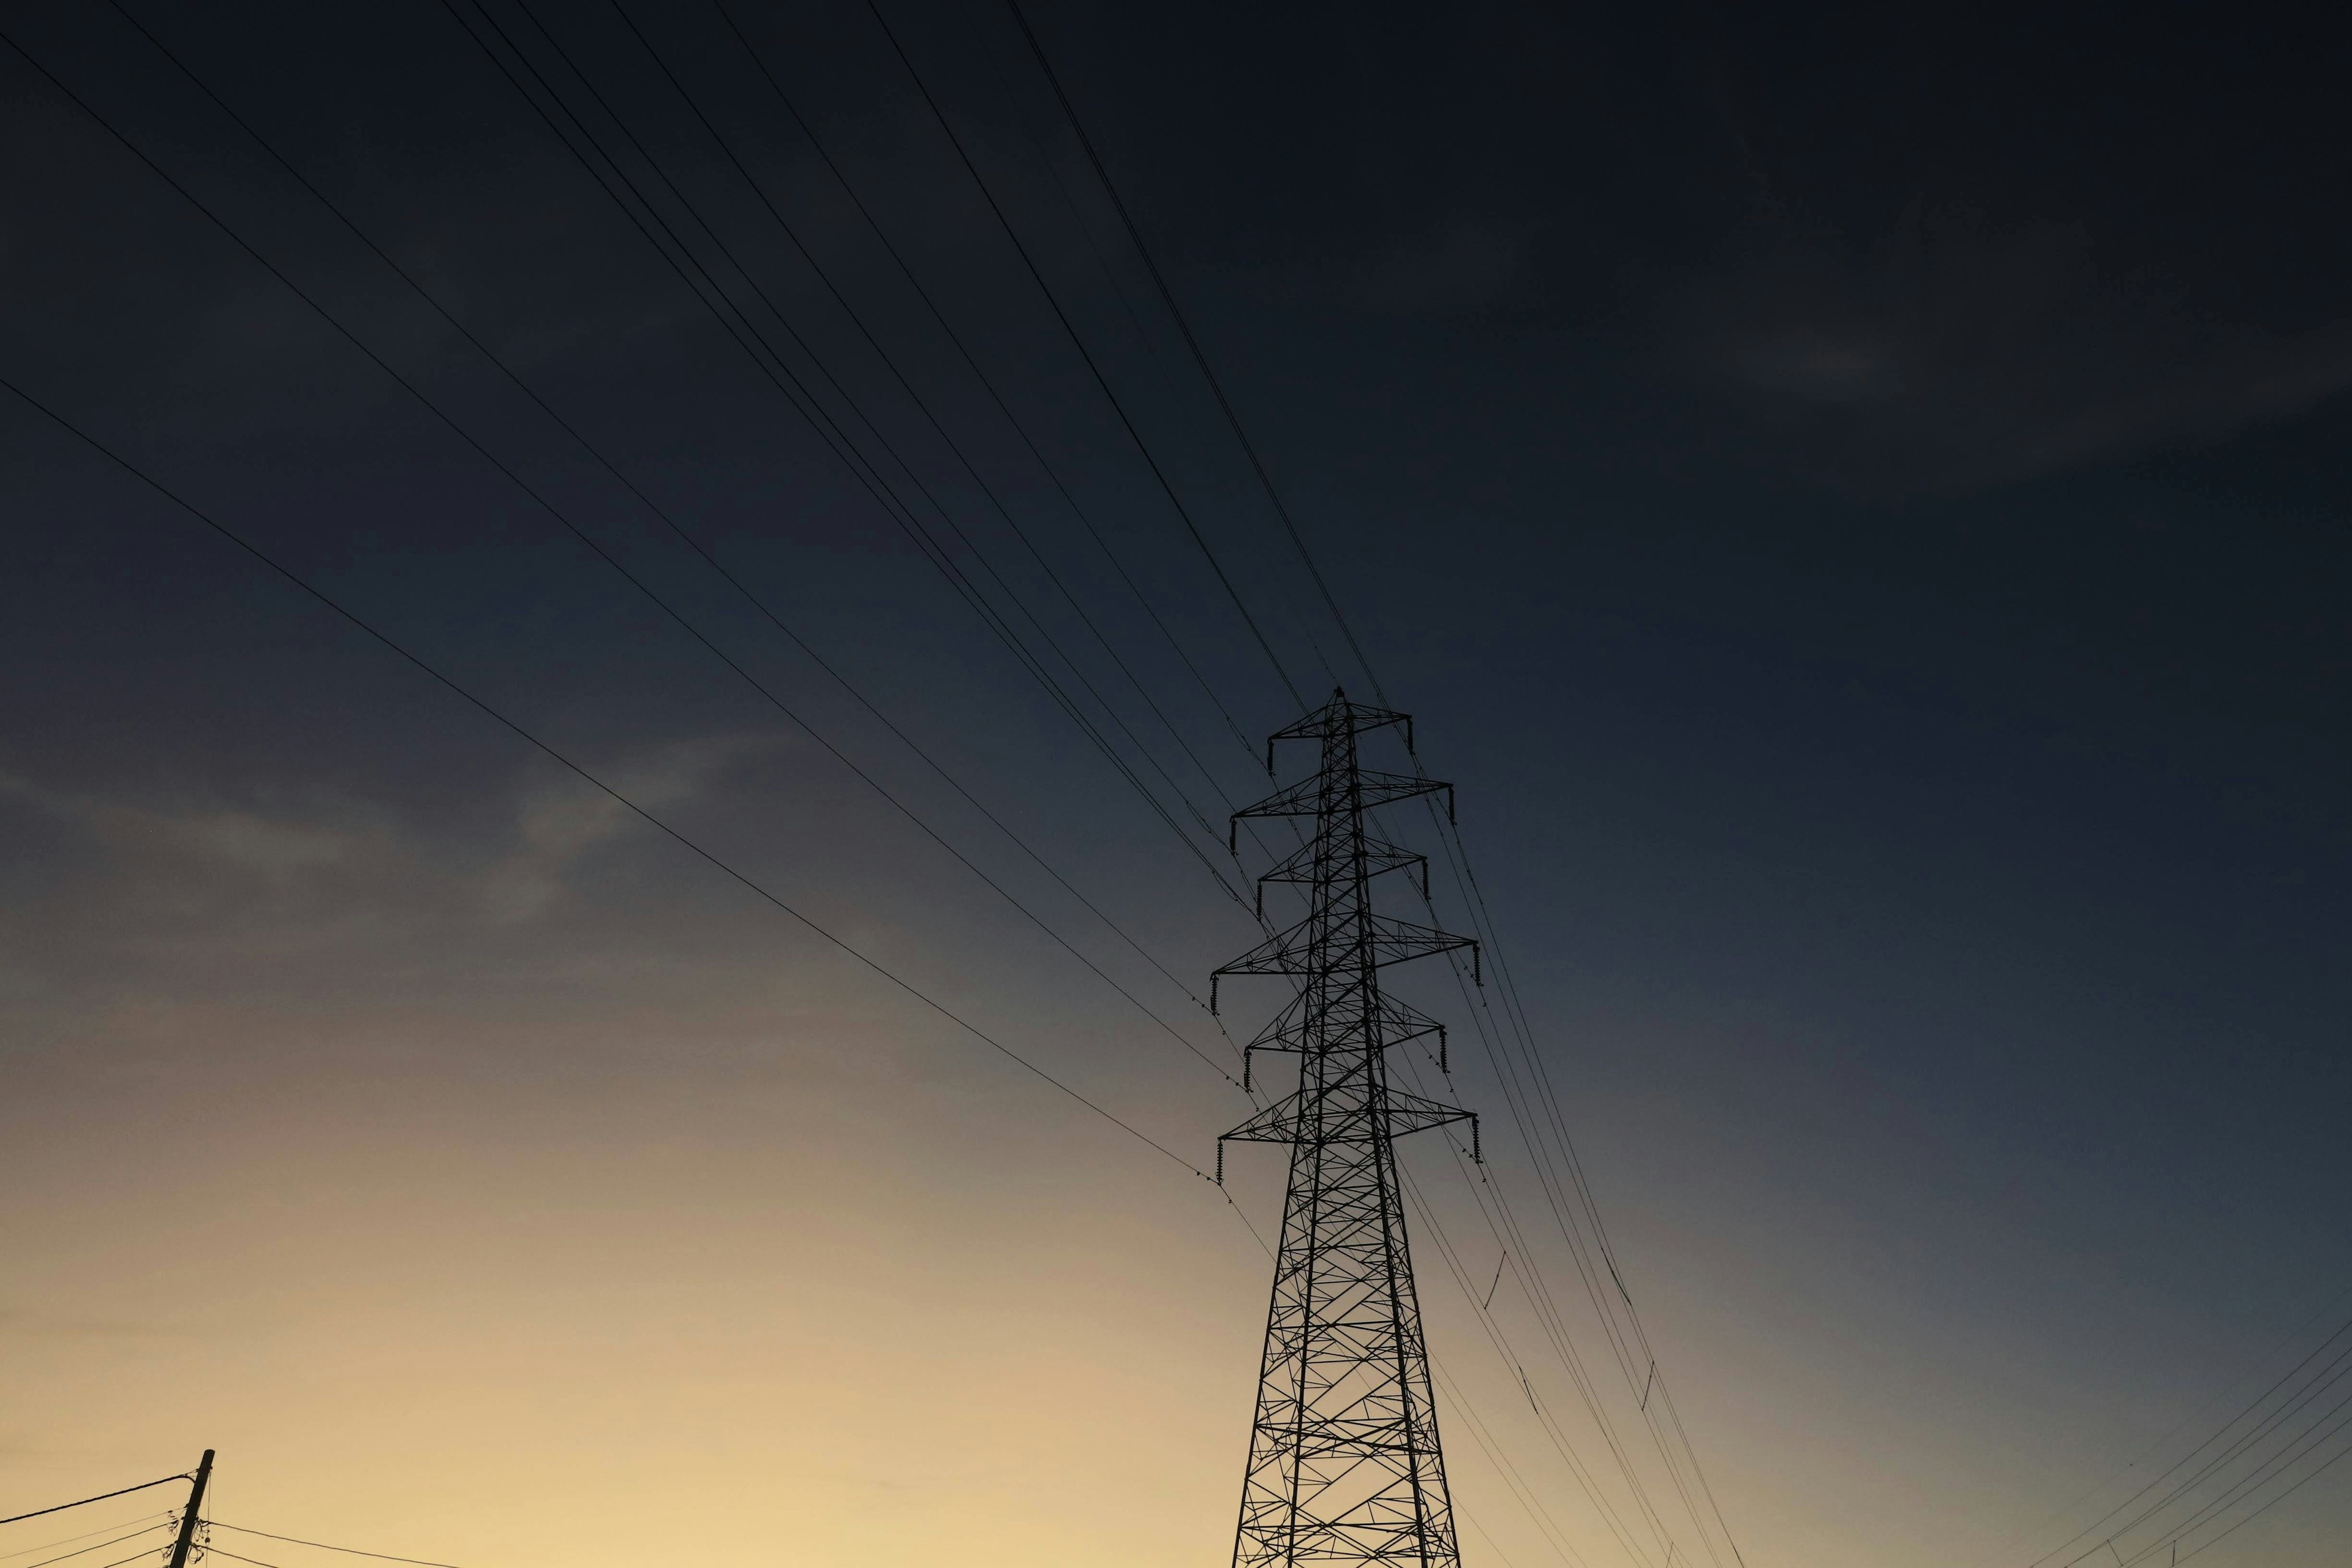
<point x="1851" y="497"/>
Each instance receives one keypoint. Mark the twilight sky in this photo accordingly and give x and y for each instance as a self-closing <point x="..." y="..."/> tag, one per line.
<point x="1852" y="499"/>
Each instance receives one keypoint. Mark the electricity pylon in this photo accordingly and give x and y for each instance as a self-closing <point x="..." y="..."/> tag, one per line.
<point x="1344" y="1464"/>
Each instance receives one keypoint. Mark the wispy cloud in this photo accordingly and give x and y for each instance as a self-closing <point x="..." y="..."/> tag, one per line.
<point x="1462" y="265"/>
<point x="280" y="875"/>
<point x="1948" y="352"/>
<point x="556" y="828"/>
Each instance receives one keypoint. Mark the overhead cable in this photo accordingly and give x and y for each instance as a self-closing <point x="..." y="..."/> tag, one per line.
<point x="100" y="1546"/>
<point x="593" y="781"/>
<point x="802" y="401"/>
<point x="68" y="1541"/>
<point x="1474" y="898"/>
<point x="634" y="582"/>
<point x="1201" y="359"/>
<point x="1117" y="407"/>
<point x="848" y="399"/>
<point x="678" y="529"/>
<point x="126" y="1491"/>
<point x="988" y="383"/>
<point x="922" y="404"/>
<point x="322" y="1546"/>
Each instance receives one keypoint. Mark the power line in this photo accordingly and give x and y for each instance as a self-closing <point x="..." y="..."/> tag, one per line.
<point x="604" y="555"/>
<point x="578" y="769"/>
<point x="2283" y="1341"/>
<point x="2250" y="1408"/>
<point x="142" y="1486"/>
<point x="2273" y="1503"/>
<point x="2264" y="1475"/>
<point x="964" y="352"/>
<point x="258" y="1562"/>
<point x="1561" y="1175"/>
<point x="996" y="501"/>
<point x="675" y="528"/>
<point x="100" y="1546"/>
<point x="828" y="430"/>
<point x="803" y="402"/>
<point x="2268" y="1469"/>
<point x="906" y="520"/>
<point x="1612" y="1271"/>
<point x="322" y="1546"/>
<point x="1474" y="897"/>
<point x="1490" y="1197"/>
<point x="68" y="1541"/>
<point x="842" y="393"/>
<point x="1167" y="297"/>
<point x="1117" y="407"/>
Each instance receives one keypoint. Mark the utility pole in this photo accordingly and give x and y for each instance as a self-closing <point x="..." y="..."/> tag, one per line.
<point x="188" y="1519"/>
<point x="1344" y="1462"/>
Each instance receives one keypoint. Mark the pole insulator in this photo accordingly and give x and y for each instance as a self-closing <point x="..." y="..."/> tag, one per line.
<point x="196" y="1505"/>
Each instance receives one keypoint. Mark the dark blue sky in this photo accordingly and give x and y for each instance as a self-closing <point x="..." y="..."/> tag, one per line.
<point x="1854" y="499"/>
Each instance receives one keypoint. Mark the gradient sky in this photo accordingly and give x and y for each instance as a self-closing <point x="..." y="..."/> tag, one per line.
<point x="1853" y="499"/>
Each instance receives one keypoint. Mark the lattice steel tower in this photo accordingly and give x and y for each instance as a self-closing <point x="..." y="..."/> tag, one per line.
<point x="1344" y="1465"/>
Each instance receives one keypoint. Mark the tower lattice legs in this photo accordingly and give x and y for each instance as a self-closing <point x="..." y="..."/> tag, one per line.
<point x="1345" y="1464"/>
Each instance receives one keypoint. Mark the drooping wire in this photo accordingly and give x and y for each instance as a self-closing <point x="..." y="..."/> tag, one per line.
<point x="2331" y="1463"/>
<point x="68" y="1541"/>
<point x="1168" y="298"/>
<point x="2268" y="1472"/>
<point x="2265" y="1469"/>
<point x="1567" y="1193"/>
<point x="841" y="392"/>
<point x="1094" y="369"/>
<point x="788" y="384"/>
<point x="1474" y="898"/>
<point x="1586" y="1481"/>
<point x="2097" y="1532"/>
<point x="296" y="1540"/>
<point x="100" y="1546"/>
<point x="580" y="769"/>
<point x="2291" y="1336"/>
<point x="829" y="429"/>
<point x="634" y="582"/>
<point x="988" y="384"/>
<point x="684" y="535"/>
<point x="126" y="1491"/>
<point x="922" y="404"/>
<point x="1489" y="1192"/>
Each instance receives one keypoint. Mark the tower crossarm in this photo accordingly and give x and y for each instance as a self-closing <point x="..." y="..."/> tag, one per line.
<point x="1302" y="949"/>
<point x="1345" y="1467"/>
<point x="1305" y="798"/>
<point x="1299" y="867"/>
<point x="1292" y="1120"/>
<point x="1338" y="717"/>
<point x="1399" y="1023"/>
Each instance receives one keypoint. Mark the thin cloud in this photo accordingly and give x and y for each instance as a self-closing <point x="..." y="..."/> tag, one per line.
<point x="1466" y="264"/>
<point x="1948" y="353"/>
<point x="558" y="827"/>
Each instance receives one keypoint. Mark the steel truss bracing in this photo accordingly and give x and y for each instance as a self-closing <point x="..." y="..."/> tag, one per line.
<point x="1344" y="1464"/>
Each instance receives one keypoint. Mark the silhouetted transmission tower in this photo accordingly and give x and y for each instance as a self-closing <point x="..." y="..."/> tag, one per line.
<point x="1344" y="1465"/>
